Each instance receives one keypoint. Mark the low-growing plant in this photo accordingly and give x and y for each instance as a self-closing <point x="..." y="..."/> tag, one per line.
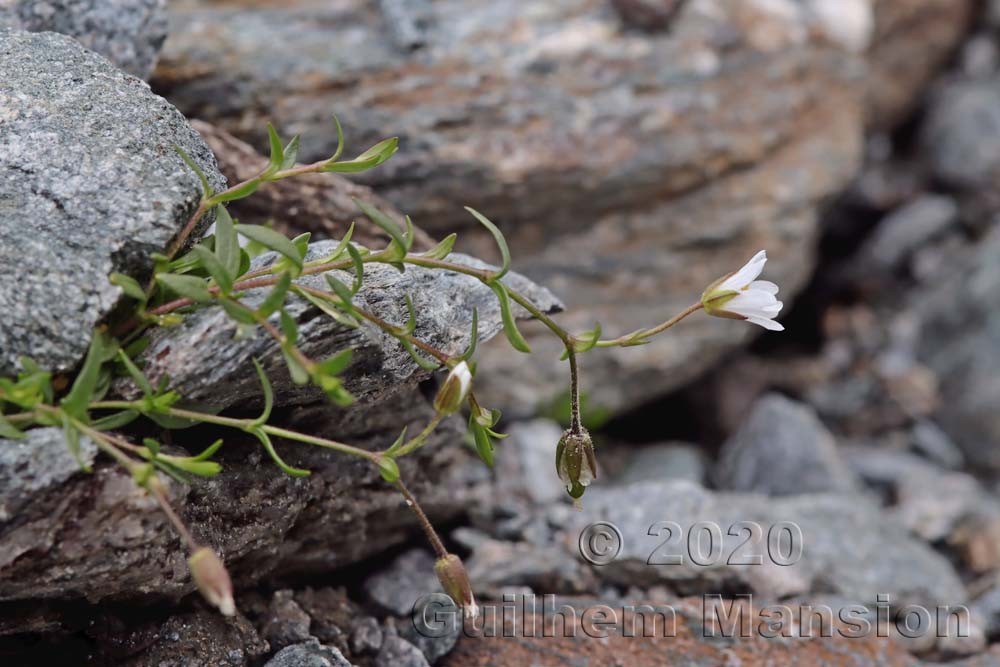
<point x="217" y="272"/>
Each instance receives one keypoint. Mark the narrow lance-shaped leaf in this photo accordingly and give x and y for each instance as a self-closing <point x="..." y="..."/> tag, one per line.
<point x="86" y="384"/>
<point x="419" y="359"/>
<point x="115" y="420"/>
<point x="241" y="191"/>
<point x="370" y="159"/>
<point x="137" y="375"/>
<point x="189" y="287"/>
<point x="215" y="268"/>
<point x="273" y="241"/>
<point x="227" y="244"/>
<point x="9" y="431"/>
<point x="206" y="189"/>
<point x="275" y="299"/>
<point x="129" y="285"/>
<point x="341" y="247"/>
<point x="500" y="241"/>
<point x="269" y="448"/>
<point x="385" y="223"/>
<point x="359" y="268"/>
<point x="330" y="307"/>
<point x="277" y="150"/>
<point x="291" y="153"/>
<point x="72" y="436"/>
<point x="443" y="248"/>
<point x="509" y="324"/>
<point x="473" y="336"/>
<point x="265" y="386"/>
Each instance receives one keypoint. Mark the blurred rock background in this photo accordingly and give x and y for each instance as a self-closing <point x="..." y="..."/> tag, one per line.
<point x="632" y="151"/>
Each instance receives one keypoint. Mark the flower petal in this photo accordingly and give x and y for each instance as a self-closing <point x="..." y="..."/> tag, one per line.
<point x="770" y="325"/>
<point x="747" y="274"/>
<point x="750" y="300"/>
<point x="764" y="286"/>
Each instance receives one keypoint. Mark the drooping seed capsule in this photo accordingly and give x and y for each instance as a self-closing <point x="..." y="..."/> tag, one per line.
<point x="576" y="463"/>
<point x="212" y="579"/>
<point x="455" y="582"/>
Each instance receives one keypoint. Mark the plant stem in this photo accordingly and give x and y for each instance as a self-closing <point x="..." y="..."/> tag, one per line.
<point x="630" y="339"/>
<point x="418" y="441"/>
<point x="425" y="523"/>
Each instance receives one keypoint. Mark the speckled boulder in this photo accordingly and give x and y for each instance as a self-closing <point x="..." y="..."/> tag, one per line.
<point x="89" y="184"/>
<point x="129" y="33"/>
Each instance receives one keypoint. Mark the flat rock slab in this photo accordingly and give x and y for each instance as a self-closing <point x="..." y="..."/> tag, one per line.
<point x="89" y="184"/>
<point x="206" y="364"/>
<point x="628" y="169"/>
<point x="129" y="33"/>
<point x="847" y="547"/>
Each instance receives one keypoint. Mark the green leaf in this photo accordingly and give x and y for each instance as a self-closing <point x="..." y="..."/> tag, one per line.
<point x="277" y="150"/>
<point x="482" y="442"/>
<point x="419" y="359"/>
<point x="340" y="140"/>
<point x="336" y="364"/>
<point x="585" y="341"/>
<point x="509" y="325"/>
<point x="206" y="189"/>
<point x="289" y="328"/>
<point x="276" y="297"/>
<point x="500" y="241"/>
<point x="385" y="223"/>
<point x="331" y="308"/>
<point x="189" y="287"/>
<point x="152" y="445"/>
<point x="238" y="312"/>
<point x="272" y="240"/>
<point x="359" y="268"/>
<point x="473" y="336"/>
<point x="129" y="285"/>
<point x="411" y="316"/>
<point x="227" y="244"/>
<point x="291" y="153"/>
<point x="73" y="441"/>
<point x="370" y="159"/>
<point x="199" y="468"/>
<point x="215" y="268"/>
<point x="137" y="375"/>
<point x="9" y="431"/>
<point x="398" y="442"/>
<point x="297" y="372"/>
<point x="269" y="447"/>
<point x="343" y="293"/>
<point x="265" y="386"/>
<point x="341" y="247"/>
<point x="208" y="451"/>
<point x="388" y="468"/>
<point x="442" y="249"/>
<point x="88" y="380"/>
<point x="241" y="191"/>
<point x="115" y="420"/>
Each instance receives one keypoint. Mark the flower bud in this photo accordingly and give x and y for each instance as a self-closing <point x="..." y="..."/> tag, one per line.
<point x="575" y="461"/>
<point x="212" y="579"/>
<point x="452" y="393"/>
<point x="455" y="582"/>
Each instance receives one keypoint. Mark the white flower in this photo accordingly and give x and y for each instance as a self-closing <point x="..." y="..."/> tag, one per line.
<point x="452" y="393"/>
<point x="741" y="296"/>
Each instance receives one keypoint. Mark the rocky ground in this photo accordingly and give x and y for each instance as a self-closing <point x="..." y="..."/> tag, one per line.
<point x="632" y="151"/>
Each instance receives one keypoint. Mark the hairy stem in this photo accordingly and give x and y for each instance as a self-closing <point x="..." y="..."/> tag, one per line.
<point x="425" y="523"/>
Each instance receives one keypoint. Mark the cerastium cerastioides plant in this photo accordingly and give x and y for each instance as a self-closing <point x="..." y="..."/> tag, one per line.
<point x="216" y="272"/>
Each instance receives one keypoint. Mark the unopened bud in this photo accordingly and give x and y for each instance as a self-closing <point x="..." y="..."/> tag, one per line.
<point x="212" y="579"/>
<point x="575" y="461"/>
<point x="452" y="393"/>
<point x="455" y="582"/>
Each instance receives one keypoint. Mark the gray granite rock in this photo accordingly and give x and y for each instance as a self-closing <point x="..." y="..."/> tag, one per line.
<point x="907" y="229"/>
<point x="629" y="168"/>
<point x="398" y="588"/>
<point x="526" y="461"/>
<point x="89" y="184"/>
<point x="285" y="623"/>
<point x="366" y="636"/>
<point x="444" y="301"/>
<point x="129" y="33"/>
<point x="397" y="652"/>
<point x="959" y="341"/>
<point x="435" y="641"/>
<point x="36" y="464"/>
<point x="668" y="461"/>
<point x="849" y="547"/>
<point x="962" y="133"/>
<point x="782" y="449"/>
<point x="308" y="654"/>
<point x="929" y="501"/>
